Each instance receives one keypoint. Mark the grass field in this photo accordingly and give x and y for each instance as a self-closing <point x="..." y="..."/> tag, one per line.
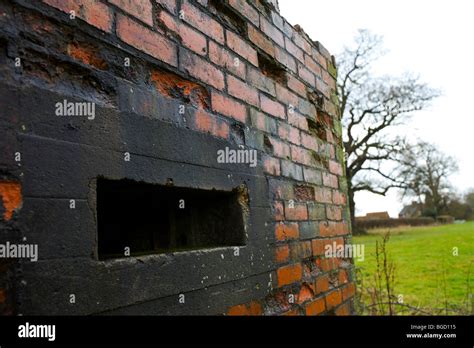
<point x="426" y="268"/>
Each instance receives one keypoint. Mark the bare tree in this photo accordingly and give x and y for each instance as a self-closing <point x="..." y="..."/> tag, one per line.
<point x="425" y="171"/>
<point x="469" y="198"/>
<point x="371" y="107"/>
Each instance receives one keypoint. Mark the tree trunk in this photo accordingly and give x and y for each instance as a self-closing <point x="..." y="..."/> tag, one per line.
<point x="352" y="210"/>
<point x="350" y="201"/>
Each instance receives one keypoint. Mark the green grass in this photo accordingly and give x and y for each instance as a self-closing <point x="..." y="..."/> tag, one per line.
<point x="424" y="258"/>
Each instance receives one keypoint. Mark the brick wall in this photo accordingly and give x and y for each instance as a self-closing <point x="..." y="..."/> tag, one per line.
<point x="173" y="80"/>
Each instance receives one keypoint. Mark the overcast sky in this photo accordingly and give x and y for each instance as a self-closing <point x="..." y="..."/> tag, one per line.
<point x="431" y="38"/>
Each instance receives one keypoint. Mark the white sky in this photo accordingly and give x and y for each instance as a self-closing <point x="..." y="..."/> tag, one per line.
<point x="431" y="38"/>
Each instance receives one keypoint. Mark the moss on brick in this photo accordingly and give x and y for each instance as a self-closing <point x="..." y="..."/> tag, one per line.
<point x="332" y="70"/>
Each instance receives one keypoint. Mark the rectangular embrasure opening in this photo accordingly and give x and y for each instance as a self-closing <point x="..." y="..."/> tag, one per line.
<point x="145" y="218"/>
<point x="271" y="68"/>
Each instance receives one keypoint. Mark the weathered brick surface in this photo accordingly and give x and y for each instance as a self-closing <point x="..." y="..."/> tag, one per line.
<point x="93" y="12"/>
<point x="142" y="10"/>
<point x="254" y="81"/>
<point x="146" y="40"/>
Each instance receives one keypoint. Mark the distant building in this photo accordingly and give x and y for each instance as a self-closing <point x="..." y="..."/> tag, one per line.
<point x="374" y="216"/>
<point x="413" y="210"/>
<point x="378" y="215"/>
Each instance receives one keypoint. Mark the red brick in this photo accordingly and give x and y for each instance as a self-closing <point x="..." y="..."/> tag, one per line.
<point x="323" y="51"/>
<point x="296" y="85"/>
<point x="142" y="10"/>
<point x="339" y="242"/>
<point x="301" y="155"/>
<point x="331" y="228"/>
<point x="299" y="212"/>
<point x="284" y="232"/>
<point x="328" y="79"/>
<point x="282" y="253"/>
<point x="312" y="65"/>
<point x="243" y="49"/>
<point x="338" y="198"/>
<point x="318" y="246"/>
<point x="331" y="150"/>
<point x="170" y="5"/>
<point x="309" y="141"/>
<point x="299" y="121"/>
<point x="86" y="54"/>
<point x="260" y="40"/>
<point x="301" y="42"/>
<point x="278" y="21"/>
<point x="222" y="57"/>
<point x="294" y="50"/>
<point x="327" y="229"/>
<point x="271" y="107"/>
<point x="323" y="88"/>
<point x="10" y="194"/>
<point x="322" y="284"/>
<point x="146" y="40"/>
<point x="341" y="228"/>
<point x="343" y="309"/>
<point x="348" y="291"/>
<point x="320" y="59"/>
<point x="242" y="90"/>
<point x="93" y="12"/>
<point x="285" y="96"/>
<point x="335" y="168"/>
<point x="254" y="308"/>
<point x="326" y="265"/>
<point x="330" y="137"/>
<point x="189" y="37"/>
<point x="271" y="165"/>
<point x="284" y="58"/>
<point x="280" y="149"/>
<point x="201" y="69"/>
<point x="228" y="107"/>
<point x="306" y="75"/>
<point x="209" y="123"/>
<point x="293" y="312"/>
<point x="333" y="212"/>
<point x="172" y="85"/>
<point x="333" y="299"/>
<point x="202" y="22"/>
<point x="343" y="277"/>
<point x="323" y="195"/>
<point x="272" y="31"/>
<point x="306" y="293"/>
<point x="289" y="133"/>
<point x="289" y="274"/>
<point x="246" y="10"/>
<point x="257" y="79"/>
<point x="331" y="108"/>
<point x="315" y="307"/>
<point x="330" y="180"/>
